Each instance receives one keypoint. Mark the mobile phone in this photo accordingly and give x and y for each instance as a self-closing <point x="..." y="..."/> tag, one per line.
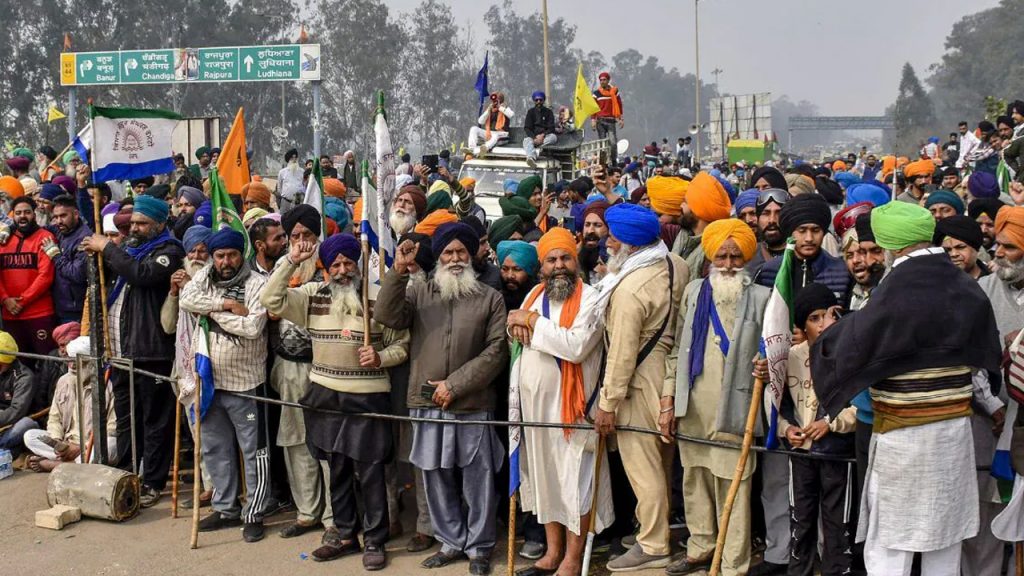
<point x="430" y="161"/>
<point x="427" y="390"/>
<point x="569" y="222"/>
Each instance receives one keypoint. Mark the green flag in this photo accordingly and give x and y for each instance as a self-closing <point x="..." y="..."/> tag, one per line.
<point x="315" y="195"/>
<point x="224" y="213"/>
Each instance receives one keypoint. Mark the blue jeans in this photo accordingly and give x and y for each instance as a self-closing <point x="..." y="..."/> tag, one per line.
<point x="12" y="438"/>
<point x="531" y="150"/>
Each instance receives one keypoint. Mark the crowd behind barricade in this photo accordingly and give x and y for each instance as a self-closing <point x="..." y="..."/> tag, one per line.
<point x="637" y="294"/>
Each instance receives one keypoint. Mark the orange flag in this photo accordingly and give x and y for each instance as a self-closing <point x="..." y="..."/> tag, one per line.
<point x="233" y="164"/>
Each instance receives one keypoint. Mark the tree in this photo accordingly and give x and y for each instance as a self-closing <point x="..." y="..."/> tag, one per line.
<point x="913" y="113"/>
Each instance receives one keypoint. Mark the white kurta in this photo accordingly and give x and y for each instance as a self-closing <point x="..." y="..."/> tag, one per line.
<point x="558" y="474"/>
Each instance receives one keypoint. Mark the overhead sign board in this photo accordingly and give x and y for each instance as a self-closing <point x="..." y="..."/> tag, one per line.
<point x="288" y="62"/>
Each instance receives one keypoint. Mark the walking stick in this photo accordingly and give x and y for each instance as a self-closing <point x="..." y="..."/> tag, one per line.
<point x="177" y="459"/>
<point x="734" y="486"/>
<point x="196" y="474"/>
<point x="1018" y="552"/>
<point x="589" y="549"/>
<point x="512" y="533"/>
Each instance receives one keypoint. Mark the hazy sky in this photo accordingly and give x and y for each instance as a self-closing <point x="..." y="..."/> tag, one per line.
<point x="845" y="57"/>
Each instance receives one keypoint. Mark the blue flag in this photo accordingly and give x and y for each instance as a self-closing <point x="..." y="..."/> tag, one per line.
<point x="481" y="84"/>
<point x="204" y="369"/>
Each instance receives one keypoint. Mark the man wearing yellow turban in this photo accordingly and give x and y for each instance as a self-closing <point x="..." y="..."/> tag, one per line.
<point x="551" y="380"/>
<point x="710" y="370"/>
<point x="667" y="194"/>
<point x="704" y="202"/>
<point x="918" y="176"/>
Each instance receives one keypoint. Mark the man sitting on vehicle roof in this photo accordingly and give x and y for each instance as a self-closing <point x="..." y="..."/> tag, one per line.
<point x="540" y="128"/>
<point x="496" y="122"/>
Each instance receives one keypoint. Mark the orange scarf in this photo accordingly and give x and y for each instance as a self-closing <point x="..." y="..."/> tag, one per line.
<point x="573" y="402"/>
<point x="613" y="93"/>
<point x="499" y="124"/>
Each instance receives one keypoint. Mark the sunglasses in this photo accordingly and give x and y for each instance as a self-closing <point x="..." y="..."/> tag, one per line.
<point x="776" y="195"/>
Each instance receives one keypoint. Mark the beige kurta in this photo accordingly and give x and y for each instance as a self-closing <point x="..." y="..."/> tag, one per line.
<point x="558" y="474"/>
<point x="702" y="410"/>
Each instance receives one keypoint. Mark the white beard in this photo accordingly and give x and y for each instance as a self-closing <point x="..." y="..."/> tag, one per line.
<point x="727" y="287"/>
<point x="351" y="303"/>
<point x="401" y="223"/>
<point x="456" y="286"/>
<point x="617" y="259"/>
<point x="1009" y="272"/>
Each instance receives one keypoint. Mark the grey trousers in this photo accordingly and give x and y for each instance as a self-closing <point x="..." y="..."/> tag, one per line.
<point x="308" y="478"/>
<point x="775" y="501"/>
<point x="473" y="531"/>
<point x="983" y="554"/>
<point x="230" y="420"/>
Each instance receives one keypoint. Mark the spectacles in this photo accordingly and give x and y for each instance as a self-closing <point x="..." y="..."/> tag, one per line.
<point x="776" y="195"/>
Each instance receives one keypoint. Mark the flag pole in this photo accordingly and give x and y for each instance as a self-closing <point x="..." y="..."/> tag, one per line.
<point x="591" y="529"/>
<point x="197" y="476"/>
<point x="734" y="486"/>
<point x="177" y="459"/>
<point x="512" y="499"/>
<point x="366" y="289"/>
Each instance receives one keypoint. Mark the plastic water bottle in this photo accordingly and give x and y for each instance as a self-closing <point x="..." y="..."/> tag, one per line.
<point x="6" y="469"/>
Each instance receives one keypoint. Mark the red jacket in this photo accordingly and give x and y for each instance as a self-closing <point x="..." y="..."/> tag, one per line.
<point x="610" y="103"/>
<point x="26" y="271"/>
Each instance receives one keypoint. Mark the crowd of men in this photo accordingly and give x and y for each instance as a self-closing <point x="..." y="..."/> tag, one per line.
<point x="587" y="303"/>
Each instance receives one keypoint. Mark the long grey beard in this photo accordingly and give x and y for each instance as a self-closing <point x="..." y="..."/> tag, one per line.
<point x="456" y="286"/>
<point x="727" y="286"/>
<point x="559" y="287"/>
<point x="351" y="303"/>
<point x="401" y="223"/>
<point x="618" y="259"/>
<point x="1009" y="272"/>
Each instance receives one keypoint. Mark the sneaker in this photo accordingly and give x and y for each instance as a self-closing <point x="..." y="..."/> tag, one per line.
<point x="374" y="557"/>
<point x="419" y="543"/>
<point x="629" y="541"/>
<point x="637" y="559"/>
<point x="687" y="566"/>
<point x="148" y="496"/>
<point x="217" y="521"/>
<point x="767" y="569"/>
<point x="253" y="532"/>
<point x="532" y="550"/>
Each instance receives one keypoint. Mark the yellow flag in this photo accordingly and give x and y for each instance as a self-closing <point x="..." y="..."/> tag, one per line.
<point x="233" y="164"/>
<point x="584" y="104"/>
<point x="54" y="114"/>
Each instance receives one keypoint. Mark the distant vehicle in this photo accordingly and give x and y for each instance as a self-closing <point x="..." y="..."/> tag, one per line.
<point x="508" y="161"/>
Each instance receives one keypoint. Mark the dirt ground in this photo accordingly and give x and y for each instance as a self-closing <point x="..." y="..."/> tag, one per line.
<point x="154" y="544"/>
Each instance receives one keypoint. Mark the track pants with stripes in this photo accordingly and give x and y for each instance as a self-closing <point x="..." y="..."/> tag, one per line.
<point x="826" y="488"/>
<point x="234" y="421"/>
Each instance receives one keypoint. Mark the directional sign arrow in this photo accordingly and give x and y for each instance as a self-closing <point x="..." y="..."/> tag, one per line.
<point x="248" y="63"/>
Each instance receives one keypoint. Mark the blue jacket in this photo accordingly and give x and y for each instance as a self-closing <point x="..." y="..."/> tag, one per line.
<point x="70" y="277"/>
<point x="824" y="269"/>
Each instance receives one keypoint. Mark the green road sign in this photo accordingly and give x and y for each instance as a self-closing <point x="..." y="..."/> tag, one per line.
<point x="292" y="62"/>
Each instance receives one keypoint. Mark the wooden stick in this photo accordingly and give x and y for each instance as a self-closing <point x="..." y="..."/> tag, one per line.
<point x="592" y="524"/>
<point x="734" y="486"/>
<point x="196" y="474"/>
<point x="1018" y="552"/>
<point x="177" y="458"/>
<point x="512" y="533"/>
<point x="366" y="291"/>
<point x="99" y="268"/>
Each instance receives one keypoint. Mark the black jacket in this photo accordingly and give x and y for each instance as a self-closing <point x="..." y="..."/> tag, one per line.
<point x="15" y="393"/>
<point x="147" y="285"/>
<point x="539" y="121"/>
<point x="925" y="314"/>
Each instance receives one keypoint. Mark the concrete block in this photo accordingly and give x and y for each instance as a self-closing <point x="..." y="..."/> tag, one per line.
<point x="58" y="517"/>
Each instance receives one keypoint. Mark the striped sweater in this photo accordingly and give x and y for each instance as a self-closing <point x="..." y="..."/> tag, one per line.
<point x="921" y="397"/>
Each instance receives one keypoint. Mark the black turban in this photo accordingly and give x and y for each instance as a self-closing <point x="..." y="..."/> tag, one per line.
<point x="160" y="191"/>
<point x="829" y="190"/>
<point x="863" y="227"/>
<point x="446" y="233"/>
<point x="812" y="297"/>
<point x="475" y="223"/>
<point x="804" y="209"/>
<point x="304" y="214"/>
<point x="424" y="255"/>
<point x="771" y="175"/>
<point x="987" y="206"/>
<point x="962" y="228"/>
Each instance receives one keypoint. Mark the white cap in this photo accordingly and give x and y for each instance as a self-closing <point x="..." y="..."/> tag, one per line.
<point x="108" y="224"/>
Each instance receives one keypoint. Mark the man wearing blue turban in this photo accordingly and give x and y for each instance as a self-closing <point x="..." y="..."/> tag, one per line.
<point x="518" y="263"/>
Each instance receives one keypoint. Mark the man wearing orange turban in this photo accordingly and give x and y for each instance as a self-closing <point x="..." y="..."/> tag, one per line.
<point x="838" y="166"/>
<point x="706" y="201"/>
<point x="666" y="194"/>
<point x="334" y="188"/>
<point x="12" y="187"/>
<point x="433" y="220"/>
<point x="918" y="175"/>
<point x="552" y="378"/>
<point x="719" y="327"/>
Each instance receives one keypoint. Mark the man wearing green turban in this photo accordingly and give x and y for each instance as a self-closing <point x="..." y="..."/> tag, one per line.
<point x="518" y="206"/>
<point x="527" y="186"/>
<point x="901" y="225"/>
<point x="505" y="228"/>
<point x="201" y="170"/>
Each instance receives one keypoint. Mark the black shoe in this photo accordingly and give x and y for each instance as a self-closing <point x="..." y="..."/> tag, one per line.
<point x="687" y="566"/>
<point x="253" y="531"/>
<point x="297" y="529"/>
<point x="217" y="521"/>
<point x="333" y="548"/>
<point x="374" y="557"/>
<point x="440" y="559"/>
<point x="535" y="571"/>
<point x="480" y="566"/>
<point x="148" y="496"/>
<point x="419" y="543"/>
<point x="767" y="569"/>
<point x="275" y="506"/>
